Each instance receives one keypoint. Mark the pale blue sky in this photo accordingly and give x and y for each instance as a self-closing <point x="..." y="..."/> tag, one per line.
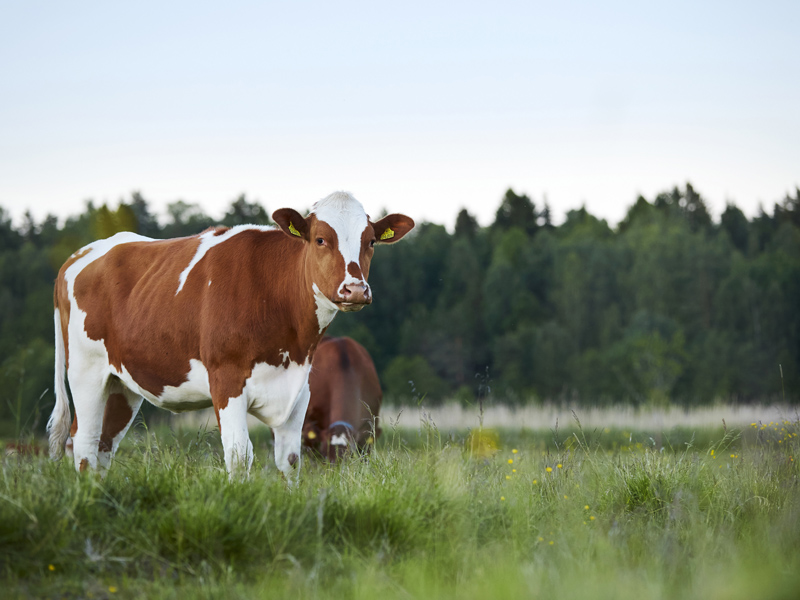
<point x="418" y="107"/>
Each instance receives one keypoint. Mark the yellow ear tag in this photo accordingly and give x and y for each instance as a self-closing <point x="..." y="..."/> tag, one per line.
<point x="294" y="231"/>
<point x="370" y="440"/>
<point x="311" y="435"/>
<point x="389" y="233"/>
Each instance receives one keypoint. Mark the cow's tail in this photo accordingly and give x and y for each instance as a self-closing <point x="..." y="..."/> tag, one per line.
<point x="59" y="423"/>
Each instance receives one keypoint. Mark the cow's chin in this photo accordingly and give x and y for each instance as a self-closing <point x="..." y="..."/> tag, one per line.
<point x="351" y="306"/>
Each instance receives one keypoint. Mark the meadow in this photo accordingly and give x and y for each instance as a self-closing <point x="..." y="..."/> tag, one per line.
<point x="573" y="512"/>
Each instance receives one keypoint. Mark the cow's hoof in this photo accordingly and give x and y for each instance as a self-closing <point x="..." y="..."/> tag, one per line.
<point x="293" y="459"/>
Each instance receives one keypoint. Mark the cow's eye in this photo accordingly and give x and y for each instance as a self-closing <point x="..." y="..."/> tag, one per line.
<point x="320" y="242"/>
<point x="372" y="243"/>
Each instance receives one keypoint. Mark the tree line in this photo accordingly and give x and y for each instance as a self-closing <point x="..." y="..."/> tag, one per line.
<point x="668" y="306"/>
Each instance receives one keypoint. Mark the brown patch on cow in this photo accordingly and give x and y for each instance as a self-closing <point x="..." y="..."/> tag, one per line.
<point x="78" y="255"/>
<point x="74" y="428"/>
<point x="217" y="229"/>
<point x="293" y="459"/>
<point x="354" y="270"/>
<point x="84" y="465"/>
<point x="126" y="295"/>
<point x="116" y="417"/>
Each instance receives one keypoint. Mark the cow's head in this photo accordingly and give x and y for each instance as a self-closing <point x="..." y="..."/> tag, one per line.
<point x="336" y="442"/>
<point x="340" y="440"/>
<point x="340" y="240"/>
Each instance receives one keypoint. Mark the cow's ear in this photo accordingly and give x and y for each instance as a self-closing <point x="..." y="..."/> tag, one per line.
<point x="392" y="228"/>
<point x="292" y="223"/>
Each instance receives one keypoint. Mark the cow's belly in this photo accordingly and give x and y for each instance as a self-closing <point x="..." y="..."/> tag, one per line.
<point x="270" y="392"/>
<point x="273" y="392"/>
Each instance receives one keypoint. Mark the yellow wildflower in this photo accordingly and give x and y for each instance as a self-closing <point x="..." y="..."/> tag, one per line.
<point x="549" y="469"/>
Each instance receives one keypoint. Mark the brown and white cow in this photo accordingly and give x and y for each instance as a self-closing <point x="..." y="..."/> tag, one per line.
<point x="229" y="318"/>
<point x="345" y="399"/>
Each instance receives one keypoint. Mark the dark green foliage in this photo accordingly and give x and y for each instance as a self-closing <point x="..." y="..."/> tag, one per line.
<point x="517" y="211"/>
<point x="243" y="212"/>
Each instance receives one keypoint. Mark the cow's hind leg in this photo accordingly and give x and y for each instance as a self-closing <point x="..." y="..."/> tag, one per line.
<point x="121" y="408"/>
<point x="89" y="394"/>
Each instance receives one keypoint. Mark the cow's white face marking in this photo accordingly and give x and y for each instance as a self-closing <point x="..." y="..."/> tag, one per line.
<point x="207" y="241"/>
<point x="345" y="215"/>
<point x="339" y="440"/>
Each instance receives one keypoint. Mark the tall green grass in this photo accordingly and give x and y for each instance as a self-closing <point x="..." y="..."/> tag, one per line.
<point x="425" y="516"/>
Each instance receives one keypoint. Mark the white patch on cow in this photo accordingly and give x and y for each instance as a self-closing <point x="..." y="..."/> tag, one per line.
<point x="347" y="218"/>
<point x="272" y="392"/>
<point x="339" y="440"/>
<point x="326" y="309"/>
<point x="207" y="241"/>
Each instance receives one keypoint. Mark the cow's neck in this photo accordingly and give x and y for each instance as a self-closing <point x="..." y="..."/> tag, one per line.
<point x="312" y="314"/>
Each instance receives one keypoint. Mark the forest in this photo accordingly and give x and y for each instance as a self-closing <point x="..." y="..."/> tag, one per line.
<point x="668" y="306"/>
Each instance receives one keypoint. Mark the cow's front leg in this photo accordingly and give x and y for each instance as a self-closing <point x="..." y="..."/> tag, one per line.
<point x="288" y="437"/>
<point x="236" y="443"/>
<point x="230" y="406"/>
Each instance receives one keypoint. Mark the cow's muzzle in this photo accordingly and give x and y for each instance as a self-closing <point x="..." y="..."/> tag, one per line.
<point x="354" y="296"/>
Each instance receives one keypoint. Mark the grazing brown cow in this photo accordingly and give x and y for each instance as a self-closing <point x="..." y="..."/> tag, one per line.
<point x="345" y="399"/>
<point x="229" y="318"/>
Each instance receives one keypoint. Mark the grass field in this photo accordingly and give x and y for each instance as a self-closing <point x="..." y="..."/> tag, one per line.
<point x="569" y="513"/>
